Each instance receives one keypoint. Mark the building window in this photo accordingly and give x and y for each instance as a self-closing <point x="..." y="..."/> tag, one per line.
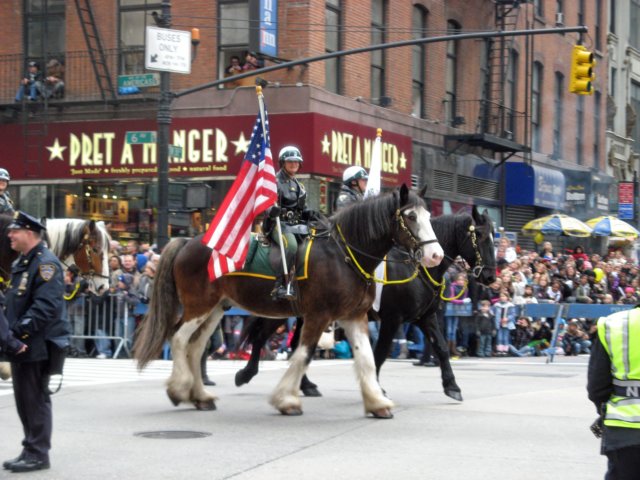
<point x="233" y="33"/>
<point x="511" y="94"/>
<point x="612" y="16"/>
<point x="597" y="131"/>
<point x="45" y="29"/>
<point x="538" y="7"/>
<point x="559" y="6"/>
<point x="332" y="43"/>
<point x="558" y="116"/>
<point x="378" y="36"/>
<point x="536" y="106"/>
<point x="580" y="130"/>
<point x="451" y="79"/>
<point x="612" y="81"/>
<point x="635" y="104"/>
<point x="135" y="16"/>
<point x="598" y="26"/>
<point x="634" y="18"/>
<point x="419" y="30"/>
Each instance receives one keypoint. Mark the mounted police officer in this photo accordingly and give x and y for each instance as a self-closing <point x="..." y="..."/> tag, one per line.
<point x="354" y="184"/>
<point x="292" y="211"/>
<point x="614" y="388"/>
<point x="6" y="204"/>
<point x="34" y="309"/>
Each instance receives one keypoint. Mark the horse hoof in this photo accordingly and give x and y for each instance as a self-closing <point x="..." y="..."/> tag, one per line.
<point x="455" y="394"/>
<point x="241" y="378"/>
<point x="174" y="399"/>
<point x="205" y="405"/>
<point x="384" y="413"/>
<point x="291" y="411"/>
<point x="311" y="392"/>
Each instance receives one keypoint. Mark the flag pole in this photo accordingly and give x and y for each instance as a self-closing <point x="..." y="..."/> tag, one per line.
<point x="278" y="226"/>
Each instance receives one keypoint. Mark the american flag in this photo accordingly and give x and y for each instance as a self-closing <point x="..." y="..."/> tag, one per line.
<point x="253" y="191"/>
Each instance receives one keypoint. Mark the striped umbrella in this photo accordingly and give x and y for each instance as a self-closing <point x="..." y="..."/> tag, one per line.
<point x="608" y="226"/>
<point x="557" y="224"/>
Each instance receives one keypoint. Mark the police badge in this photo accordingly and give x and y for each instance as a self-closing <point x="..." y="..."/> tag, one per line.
<point x="46" y="271"/>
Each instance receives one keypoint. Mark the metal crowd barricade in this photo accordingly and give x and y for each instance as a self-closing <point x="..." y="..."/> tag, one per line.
<point x="102" y="322"/>
<point x="561" y="311"/>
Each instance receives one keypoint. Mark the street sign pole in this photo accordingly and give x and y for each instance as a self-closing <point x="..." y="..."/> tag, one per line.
<point x="164" y="123"/>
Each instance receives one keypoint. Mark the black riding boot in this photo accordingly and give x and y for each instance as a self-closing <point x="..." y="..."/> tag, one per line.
<point x="279" y="291"/>
<point x="203" y="369"/>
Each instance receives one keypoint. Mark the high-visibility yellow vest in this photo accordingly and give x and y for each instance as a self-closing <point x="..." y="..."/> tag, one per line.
<point x="620" y="335"/>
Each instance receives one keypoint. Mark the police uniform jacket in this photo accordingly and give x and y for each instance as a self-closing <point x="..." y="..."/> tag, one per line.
<point x="6" y="204"/>
<point x="600" y="389"/>
<point x="34" y="301"/>
<point x="292" y="197"/>
<point x="347" y="196"/>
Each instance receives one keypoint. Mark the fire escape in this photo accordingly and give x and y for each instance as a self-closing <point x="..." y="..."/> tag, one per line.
<point x="498" y="128"/>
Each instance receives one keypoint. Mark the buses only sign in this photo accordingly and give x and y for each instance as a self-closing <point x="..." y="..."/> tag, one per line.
<point x="168" y="50"/>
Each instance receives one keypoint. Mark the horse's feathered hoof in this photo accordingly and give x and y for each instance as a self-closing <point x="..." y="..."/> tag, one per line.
<point x="455" y="394"/>
<point x="311" y="392"/>
<point x="205" y="404"/>
<point x="174" y="399"/>
<point x="291" y="411"/>
<point x="384" y="413"/>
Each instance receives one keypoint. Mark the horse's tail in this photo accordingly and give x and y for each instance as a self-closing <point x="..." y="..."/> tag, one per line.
<point x="158" y="323"/>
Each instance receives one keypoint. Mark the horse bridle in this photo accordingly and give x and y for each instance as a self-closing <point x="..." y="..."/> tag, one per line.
<point x="416" y="245"/>
<point x="88" y="251"/>
<point x="479" y="266"/>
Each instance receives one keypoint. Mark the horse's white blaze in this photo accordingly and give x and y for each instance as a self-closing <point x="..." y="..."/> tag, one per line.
<point x="358" y="335"/>
<point x="432" y="254"/>
<point x="285" y="395"/>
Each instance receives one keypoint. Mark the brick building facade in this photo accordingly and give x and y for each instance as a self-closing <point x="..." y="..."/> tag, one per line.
<point x="441" y="105"/>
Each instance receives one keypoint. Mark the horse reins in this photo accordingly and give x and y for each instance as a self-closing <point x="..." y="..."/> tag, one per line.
<point x="416" y="247"/>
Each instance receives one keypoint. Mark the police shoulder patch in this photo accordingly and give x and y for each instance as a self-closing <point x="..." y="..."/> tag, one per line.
<point x="47" y="271"/>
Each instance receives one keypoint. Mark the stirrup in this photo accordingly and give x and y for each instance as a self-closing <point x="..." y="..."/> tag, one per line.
<point x="282" y="292"/>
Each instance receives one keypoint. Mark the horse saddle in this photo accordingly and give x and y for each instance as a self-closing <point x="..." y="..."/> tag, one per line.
<point x="264" y="257"/>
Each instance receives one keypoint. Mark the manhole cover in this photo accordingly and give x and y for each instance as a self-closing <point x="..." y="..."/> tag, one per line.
<point x="173" y="434"/>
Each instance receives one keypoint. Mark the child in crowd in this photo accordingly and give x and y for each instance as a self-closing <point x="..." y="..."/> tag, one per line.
<point x="459" y="294"/>
<point x="505" y="322"/>
<point x="521" y="338"/>
<point x="485" y="328"/>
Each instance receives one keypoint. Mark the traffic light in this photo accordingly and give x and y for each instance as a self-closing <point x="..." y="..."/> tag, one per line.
<point x="582" y="71"/>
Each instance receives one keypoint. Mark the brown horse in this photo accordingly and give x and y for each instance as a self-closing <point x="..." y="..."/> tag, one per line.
<point x="336" y="284"/>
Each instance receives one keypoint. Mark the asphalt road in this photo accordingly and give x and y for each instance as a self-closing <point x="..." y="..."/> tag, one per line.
<point x="520" y="419"/>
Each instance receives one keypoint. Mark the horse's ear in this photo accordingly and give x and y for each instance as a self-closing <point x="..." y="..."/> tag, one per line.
<point x="477" y="218"/>
<point x="92" y="225"/>
<point x="423" y="191"/>
<point x="404" y="195"/>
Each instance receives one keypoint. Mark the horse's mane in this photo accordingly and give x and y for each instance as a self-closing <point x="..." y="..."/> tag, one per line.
<point x="447" y="227"/>
<point x="365" y="222"/>
<point x="64" y="236"/>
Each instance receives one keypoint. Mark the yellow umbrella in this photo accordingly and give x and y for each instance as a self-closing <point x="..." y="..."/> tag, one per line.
<point x="557" y="224"/>
<point x="608" y="226"/>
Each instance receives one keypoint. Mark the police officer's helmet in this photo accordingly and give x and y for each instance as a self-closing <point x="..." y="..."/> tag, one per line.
<point x="354" y="173"/>
<point x="290" y="154"/>
<point x="4" y="175"/>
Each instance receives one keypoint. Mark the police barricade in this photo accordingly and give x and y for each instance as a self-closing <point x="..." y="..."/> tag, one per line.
<point x="105" y="320"/>
<point x="562" y="311"/>
<point x="458" y="310"/>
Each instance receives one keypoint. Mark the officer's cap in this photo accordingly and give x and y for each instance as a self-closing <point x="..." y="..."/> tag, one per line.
<point x="25" y="221"/>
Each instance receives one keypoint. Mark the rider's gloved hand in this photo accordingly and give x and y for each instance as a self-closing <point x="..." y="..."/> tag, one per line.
<point x="274" y="212"/>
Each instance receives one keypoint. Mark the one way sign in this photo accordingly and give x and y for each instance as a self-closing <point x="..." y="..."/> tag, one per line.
<point x="168" y="50"/>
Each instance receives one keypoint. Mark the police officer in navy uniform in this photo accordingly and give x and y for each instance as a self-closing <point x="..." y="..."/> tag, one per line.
<point x="354" y="184"/>
<point x="614" y="387"/>
<point x="6" y="204"/>
<point x="34" y="305"/>
<point x="292" y="209"/>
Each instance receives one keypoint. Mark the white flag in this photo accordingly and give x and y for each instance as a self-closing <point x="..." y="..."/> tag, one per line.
<point x="373" y="184"/>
